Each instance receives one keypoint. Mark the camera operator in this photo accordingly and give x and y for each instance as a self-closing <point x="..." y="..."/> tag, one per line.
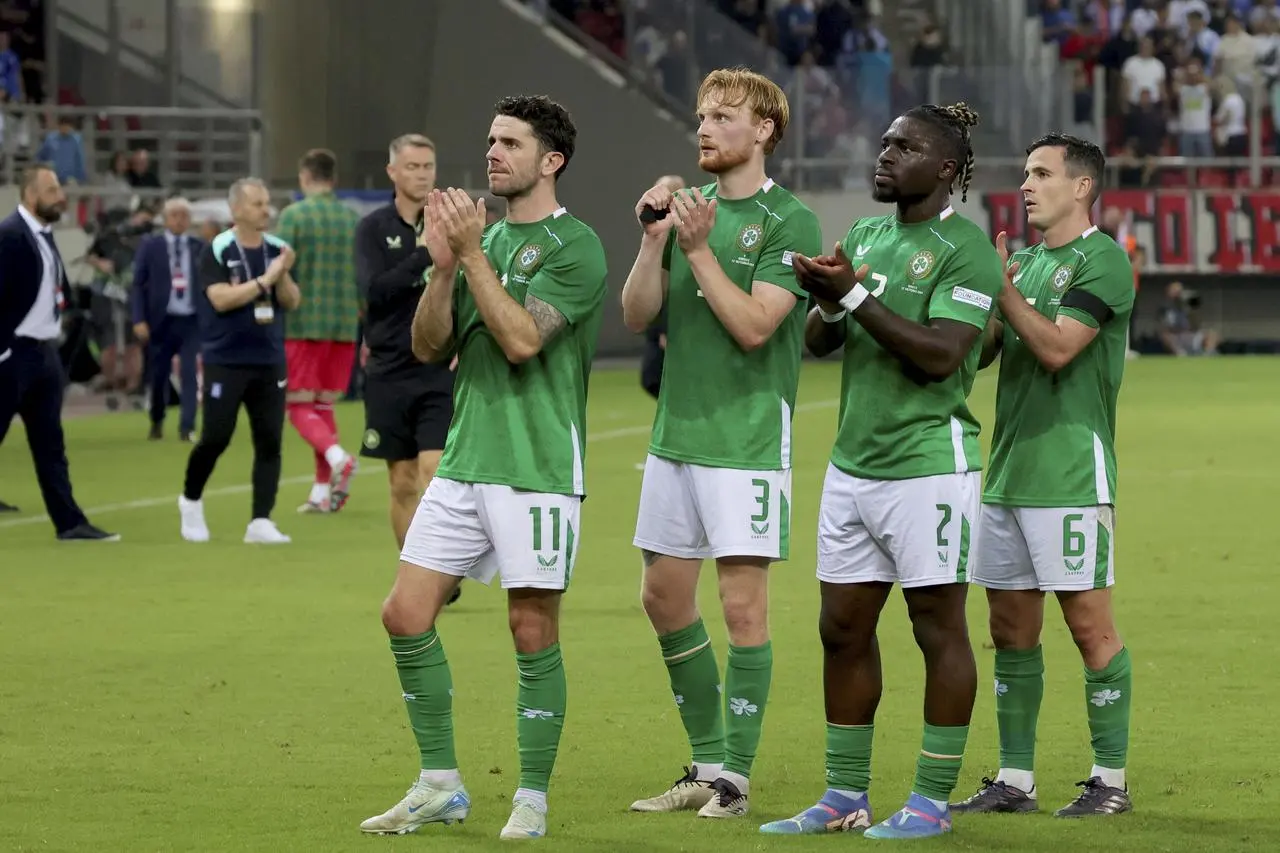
<point x="1180" y="328"/>
<point x="111" y="255"/>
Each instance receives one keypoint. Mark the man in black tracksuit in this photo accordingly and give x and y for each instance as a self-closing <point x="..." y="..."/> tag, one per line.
<point x="408" y="405"/>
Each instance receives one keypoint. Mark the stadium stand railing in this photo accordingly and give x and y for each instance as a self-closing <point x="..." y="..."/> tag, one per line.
<point x="192" y="148"/>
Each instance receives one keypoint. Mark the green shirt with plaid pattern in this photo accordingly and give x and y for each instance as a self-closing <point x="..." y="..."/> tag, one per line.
<point x="322" y="231"/>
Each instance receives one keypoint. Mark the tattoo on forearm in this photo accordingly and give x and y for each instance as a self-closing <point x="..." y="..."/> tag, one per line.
<point x="546" y="317"/>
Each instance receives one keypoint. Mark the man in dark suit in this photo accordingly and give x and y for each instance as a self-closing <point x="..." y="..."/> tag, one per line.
<point x="164" y="313"/>
<point x="33" y="293"/>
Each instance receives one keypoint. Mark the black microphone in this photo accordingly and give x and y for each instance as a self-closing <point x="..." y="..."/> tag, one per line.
<point x="652" y="214"/>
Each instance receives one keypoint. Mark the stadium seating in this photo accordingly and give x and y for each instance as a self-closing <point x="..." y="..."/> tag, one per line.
<point x="1097" y="34"/>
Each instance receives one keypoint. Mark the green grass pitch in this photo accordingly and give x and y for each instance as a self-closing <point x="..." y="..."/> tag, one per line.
<point x="157" y="696"/>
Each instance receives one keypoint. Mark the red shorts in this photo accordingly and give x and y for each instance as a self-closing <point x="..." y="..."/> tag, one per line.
<point x="319" y="365"/>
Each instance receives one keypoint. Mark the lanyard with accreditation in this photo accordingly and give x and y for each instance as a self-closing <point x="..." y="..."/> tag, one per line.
<point x="178" y="267"/>
<point x="263" y="311"/>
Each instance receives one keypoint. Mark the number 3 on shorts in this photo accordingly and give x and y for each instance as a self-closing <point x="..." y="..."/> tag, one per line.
<point x="762" y="500"/>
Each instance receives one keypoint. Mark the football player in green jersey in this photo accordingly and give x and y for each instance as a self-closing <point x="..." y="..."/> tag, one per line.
<point x="717" y="481"/>
<point x="1047" y="522"/>
<point x="901" y="496"/>
<point x="519" y="303"/>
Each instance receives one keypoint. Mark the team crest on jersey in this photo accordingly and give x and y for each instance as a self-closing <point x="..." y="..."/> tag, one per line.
<point x="920" y="264"/>
<point x="529" y="257"/>
<point x="1061" y="278"/>
<point x="749" y="238"/>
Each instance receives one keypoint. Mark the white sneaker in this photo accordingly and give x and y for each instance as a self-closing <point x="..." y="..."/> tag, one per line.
<point x="727" y="801"/>
<point x="263" y="531"/>
<point x="422" y="804"/>
<point x="526" y="821"/>
<point x="687" y="794"/>
<point x="194" y="528"/>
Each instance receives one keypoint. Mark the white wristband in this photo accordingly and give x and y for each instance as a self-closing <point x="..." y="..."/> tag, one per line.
<point x="831" y="318"/>
<point x="854" y="298"/>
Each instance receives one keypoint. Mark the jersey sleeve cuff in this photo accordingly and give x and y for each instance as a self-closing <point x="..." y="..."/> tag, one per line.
<point x="787" y="283"/>
<point x="1079" y="314"/>
<point x="551" y="299"/>
<point x="959" y="318"/>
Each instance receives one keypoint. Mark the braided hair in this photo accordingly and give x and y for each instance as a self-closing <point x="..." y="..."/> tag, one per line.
<point x="954" y="121"/>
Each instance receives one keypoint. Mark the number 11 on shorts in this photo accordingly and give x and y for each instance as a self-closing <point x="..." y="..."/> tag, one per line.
<point x="549" y="533"/>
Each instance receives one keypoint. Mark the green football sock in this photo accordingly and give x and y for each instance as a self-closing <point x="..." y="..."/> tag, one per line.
<point x="849" y="757"/>
<point x="540" y="707"/>
<point x="1019" y="689"/>
<point x="695" y="681"/>
<point x="1108" y="694"/>
<point x="428" y="695"/>
<point x="938" y="766"/>
<point x="746" y="692"/>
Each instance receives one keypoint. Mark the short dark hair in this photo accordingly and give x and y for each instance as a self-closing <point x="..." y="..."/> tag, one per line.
<point x="27" y="178"/>
<point x="1081" y="156"/>
<point x="321" y="164"/>
<point x="550" y="122"/>
<point x="952" y="123"/>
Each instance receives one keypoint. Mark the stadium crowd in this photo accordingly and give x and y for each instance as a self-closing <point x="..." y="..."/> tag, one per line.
<point x="1180" y="77"/>
<point x="1181" y="74"/>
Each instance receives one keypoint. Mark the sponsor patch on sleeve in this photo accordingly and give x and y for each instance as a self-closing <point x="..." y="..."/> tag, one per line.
<point x="972" y="297"/>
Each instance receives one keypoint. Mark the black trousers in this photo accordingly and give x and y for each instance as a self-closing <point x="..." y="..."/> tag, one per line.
<point x="262" y="392"/>
<point x="174" y="336"/>
<point x="651" y="367"/>
<point x="31" y="384"/>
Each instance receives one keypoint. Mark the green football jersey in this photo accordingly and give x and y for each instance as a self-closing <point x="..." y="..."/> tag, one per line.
<point x="525" y="425"/>
<point x="719" y="405"/>
<point x="891" y="427"/>
<point x="1054" y="441"/>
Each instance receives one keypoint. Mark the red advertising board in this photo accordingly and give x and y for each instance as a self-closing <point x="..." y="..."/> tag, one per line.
<point x="1209" y="231"/>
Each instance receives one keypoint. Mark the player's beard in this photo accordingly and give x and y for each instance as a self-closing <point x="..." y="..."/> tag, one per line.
<point x="514" y="184"/>
<point x="723" y="160"/>
<point x="885" y="195"/>
<point x="50" y="213"/>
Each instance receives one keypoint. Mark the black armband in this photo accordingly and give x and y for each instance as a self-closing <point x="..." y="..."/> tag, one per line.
<point x="1088" y="303"/>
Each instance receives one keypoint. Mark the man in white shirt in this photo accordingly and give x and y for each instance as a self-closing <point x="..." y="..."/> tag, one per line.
<point x="33" y="295"/>
<point x="1143" y="72"/>
<point x="1195" y="113"/>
